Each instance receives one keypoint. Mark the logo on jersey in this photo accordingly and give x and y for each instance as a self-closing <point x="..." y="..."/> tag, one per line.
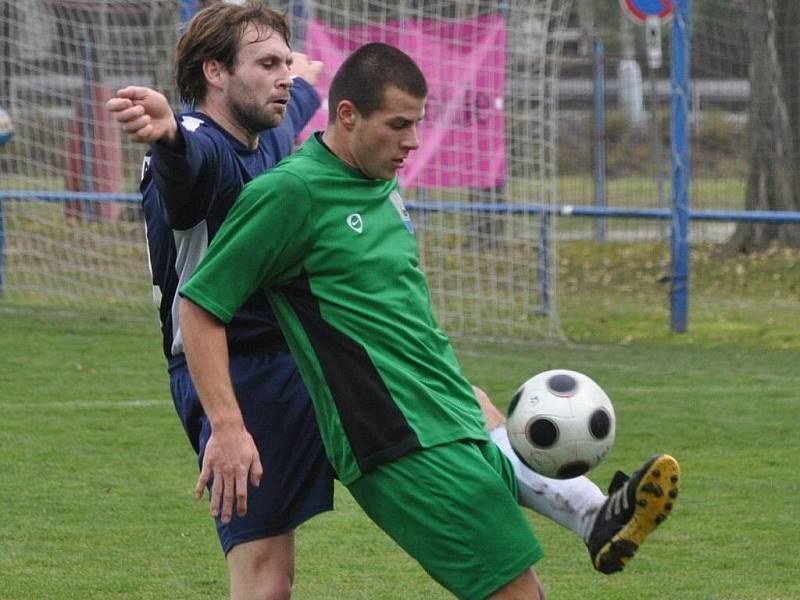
<point x="397" y="200"/>
<point x="355" y="223"/>
<point x="190" y="123"/>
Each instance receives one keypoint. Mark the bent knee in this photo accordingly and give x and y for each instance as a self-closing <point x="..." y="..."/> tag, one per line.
<point x="262" y="582"/>
<point x="262" y="569"/>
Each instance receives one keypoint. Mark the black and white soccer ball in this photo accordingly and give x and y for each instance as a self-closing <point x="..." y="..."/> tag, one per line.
<point x="561" y="423"/>
<point x="6" y="127"/>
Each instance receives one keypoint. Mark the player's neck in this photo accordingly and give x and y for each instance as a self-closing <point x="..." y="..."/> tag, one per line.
<point x="224" y="119"/>
<point x="337" y="142"/>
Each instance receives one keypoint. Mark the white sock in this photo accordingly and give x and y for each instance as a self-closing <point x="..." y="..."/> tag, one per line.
<point x="572" y="503"/>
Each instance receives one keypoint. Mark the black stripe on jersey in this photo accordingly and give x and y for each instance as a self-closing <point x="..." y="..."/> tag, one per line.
<point x="376" y="428"/>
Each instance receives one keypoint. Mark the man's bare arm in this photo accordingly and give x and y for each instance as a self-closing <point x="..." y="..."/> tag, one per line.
<point x="230" y="455"/>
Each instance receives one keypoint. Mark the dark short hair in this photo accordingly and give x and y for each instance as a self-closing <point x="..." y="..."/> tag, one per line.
<point x="366" y="73"/>
<point x="215" y="33"/>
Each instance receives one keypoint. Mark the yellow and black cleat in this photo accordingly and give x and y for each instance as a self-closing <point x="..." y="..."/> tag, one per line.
<point x="635" y="506"/>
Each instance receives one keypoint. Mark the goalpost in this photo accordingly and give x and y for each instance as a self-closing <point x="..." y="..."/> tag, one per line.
<point x="479" y="191"/>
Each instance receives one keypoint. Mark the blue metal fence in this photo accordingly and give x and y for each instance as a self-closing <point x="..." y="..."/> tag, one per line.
<point x="680" y="158"/>
<point x="545" y="213"/>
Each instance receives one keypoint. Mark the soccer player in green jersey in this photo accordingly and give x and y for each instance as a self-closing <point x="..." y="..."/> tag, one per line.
<point x="326" y="235"/>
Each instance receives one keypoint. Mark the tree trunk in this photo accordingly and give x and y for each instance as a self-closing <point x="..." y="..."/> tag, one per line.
<point x="772" y="184"/>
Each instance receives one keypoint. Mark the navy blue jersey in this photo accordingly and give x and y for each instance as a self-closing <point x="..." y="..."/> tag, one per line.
<point x="187" y="194"/>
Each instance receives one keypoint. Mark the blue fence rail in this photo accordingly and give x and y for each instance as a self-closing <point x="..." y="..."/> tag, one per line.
<point x="545" y="213"/>
<point x="566" y="210"/>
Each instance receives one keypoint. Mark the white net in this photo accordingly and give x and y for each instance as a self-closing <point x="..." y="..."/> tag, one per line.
<point x="73" y="233"/>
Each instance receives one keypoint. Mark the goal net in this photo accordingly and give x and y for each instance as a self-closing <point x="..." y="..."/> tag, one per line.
<point x="478" y="190"/>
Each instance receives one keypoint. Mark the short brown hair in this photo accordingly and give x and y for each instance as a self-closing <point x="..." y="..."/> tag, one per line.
<point x="215" y="33"/>
<point x="366" y="73"/>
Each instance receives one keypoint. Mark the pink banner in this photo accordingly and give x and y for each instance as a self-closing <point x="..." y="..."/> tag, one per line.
<point x="463" y="134"/>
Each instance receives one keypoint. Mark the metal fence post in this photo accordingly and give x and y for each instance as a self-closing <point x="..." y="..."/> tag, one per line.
<point x="599" y="136"/>
<point x="544" y="263"/>
<point x="681" y="96"/>
<point x="2" y="245"/>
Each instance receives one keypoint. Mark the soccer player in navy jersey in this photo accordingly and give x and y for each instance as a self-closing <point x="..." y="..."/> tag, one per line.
<point x="252" y="97"/>
<point x="326" y="236"/>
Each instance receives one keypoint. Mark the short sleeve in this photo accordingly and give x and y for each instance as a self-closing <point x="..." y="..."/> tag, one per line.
<point x="262" y="243"/>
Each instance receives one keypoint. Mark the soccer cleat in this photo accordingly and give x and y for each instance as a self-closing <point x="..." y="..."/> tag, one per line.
<point x="635" y="506"/>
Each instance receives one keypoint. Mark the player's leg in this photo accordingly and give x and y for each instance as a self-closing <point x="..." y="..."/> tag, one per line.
<point x="450" y="509"/>
<point x="612" y="527"/>
<point x="262" y="568"/>
<point x="572" y="503"/>
<point x="527" y="585"/>
<point x="520" y="588"/>
<point x="297" y="482"/>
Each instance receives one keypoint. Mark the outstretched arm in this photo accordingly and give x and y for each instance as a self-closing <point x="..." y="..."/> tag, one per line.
<point x="230" y="455"/>
<point x="183" y="167"/>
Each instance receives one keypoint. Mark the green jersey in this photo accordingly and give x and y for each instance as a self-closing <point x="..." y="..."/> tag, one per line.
<point x="336" y="253"/>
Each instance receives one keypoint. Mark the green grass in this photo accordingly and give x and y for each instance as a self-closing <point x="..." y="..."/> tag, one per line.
<point x="618" y="292"/>
<point x="719" y="193"/>
<point x="97" y="475"/>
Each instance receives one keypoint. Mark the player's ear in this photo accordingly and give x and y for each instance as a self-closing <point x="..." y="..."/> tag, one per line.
<point x="214" y="72"/>
<point x="347" y="114"/>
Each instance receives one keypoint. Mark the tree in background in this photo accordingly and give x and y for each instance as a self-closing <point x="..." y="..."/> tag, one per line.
<point x="773" y="183"/>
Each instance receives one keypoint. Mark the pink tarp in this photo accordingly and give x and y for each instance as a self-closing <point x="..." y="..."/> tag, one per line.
<point x="463" y="134"/>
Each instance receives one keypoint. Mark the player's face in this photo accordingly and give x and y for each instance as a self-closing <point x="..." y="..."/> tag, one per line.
<point x="381" y="143"/>
<point x="258" y="88"/>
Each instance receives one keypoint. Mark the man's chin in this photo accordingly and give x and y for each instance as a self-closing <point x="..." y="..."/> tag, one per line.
<point x="271" y="120"/>
<point x="387" y="175"/>
<point x="278" y="114"/>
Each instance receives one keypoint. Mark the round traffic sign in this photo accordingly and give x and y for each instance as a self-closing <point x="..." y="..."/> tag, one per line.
<point x="639" y="10"/>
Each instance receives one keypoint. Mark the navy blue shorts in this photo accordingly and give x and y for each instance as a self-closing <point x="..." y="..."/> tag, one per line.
<point x="298" y="479"/>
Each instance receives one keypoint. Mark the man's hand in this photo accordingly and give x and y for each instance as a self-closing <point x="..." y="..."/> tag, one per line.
<point x="304" y="67"/>
<point x="230" y="456"/>
<point x="145" y="114"/>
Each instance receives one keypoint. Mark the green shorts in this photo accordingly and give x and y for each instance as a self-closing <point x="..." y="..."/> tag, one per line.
<point x="454" y="509"/>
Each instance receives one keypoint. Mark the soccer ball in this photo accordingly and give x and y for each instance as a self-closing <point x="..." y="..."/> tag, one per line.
<point x="6" y="127"/>
<point x="561" y="423"/>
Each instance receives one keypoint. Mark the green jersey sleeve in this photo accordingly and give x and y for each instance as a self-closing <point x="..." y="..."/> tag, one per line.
<point x="261" y="243"/>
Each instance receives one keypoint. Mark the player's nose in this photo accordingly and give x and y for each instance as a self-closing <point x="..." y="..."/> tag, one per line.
<point x="411" y="140"/>
<point x="285" y="77"/>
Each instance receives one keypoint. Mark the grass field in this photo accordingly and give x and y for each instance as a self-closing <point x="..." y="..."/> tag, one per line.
<point x="98" y="477"/>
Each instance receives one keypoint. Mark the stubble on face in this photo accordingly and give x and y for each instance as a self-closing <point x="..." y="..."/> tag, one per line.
<point x="255" y="98"/>
<point x="254" y="114"/>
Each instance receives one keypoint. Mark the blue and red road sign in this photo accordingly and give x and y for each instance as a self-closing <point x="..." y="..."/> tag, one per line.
<point x="639" y="10"/>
